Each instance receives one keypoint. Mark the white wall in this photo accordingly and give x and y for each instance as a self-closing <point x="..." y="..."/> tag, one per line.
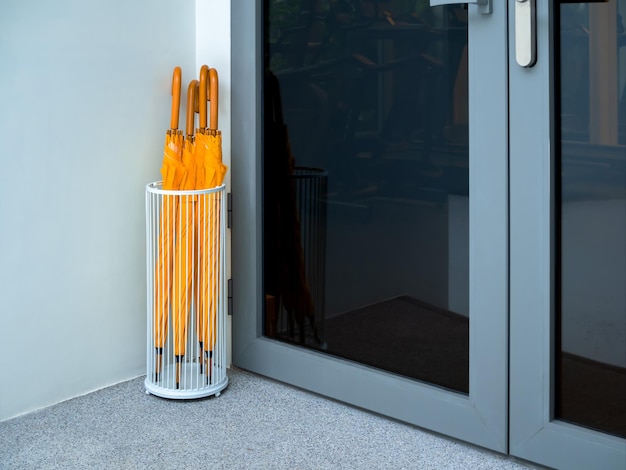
<point x="85" y="103"/>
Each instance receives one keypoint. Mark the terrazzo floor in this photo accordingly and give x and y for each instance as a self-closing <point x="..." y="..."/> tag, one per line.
<point x="256" y="423"/>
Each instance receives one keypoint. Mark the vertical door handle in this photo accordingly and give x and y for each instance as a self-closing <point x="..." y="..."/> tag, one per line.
<point x="484" y="6"/>
<point x="525" y="33"/>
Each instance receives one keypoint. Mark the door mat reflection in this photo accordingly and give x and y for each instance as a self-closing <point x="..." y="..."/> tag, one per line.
<point x="405" y="336"/>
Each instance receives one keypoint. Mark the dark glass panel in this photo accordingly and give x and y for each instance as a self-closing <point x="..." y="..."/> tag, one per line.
<point x="366" y="183"/>
<point x="591" y="322"/>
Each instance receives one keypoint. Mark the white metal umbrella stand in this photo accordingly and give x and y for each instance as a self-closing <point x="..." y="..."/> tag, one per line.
<point x="186" y="341"/>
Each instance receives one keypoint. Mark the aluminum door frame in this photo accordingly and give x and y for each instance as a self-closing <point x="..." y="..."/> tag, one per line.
<point x="534" y="435"/>
<point x="481" y="417"/>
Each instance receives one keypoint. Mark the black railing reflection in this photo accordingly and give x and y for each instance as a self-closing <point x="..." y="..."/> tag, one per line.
<point x="295" y="307"/>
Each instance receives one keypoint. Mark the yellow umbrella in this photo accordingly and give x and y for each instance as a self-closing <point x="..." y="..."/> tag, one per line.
<point x="172" y="172"/>
<point x="184" y="252"/>
<point x="210" y="173"/>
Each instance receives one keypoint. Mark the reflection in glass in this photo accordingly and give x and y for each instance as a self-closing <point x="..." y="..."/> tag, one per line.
<point x="591" y="325"/>
<point x="366" y="183"/>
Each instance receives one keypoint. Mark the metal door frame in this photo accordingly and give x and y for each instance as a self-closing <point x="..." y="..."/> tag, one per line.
<point x="480" y="418"/>
<point x="534" y="435"/>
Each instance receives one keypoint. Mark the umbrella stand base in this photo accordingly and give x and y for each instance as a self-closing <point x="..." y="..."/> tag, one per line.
<point x="192" y="382"/>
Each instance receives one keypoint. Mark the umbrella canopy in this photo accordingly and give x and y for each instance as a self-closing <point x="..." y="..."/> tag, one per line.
<point x="210" y="173"/>
<point x="211" y="169"/>
<point x="184" y="252"/>
<point x="172" y="172"/>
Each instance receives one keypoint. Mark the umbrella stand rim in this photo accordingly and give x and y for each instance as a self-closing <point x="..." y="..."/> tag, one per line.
<point x="155" y="189"/>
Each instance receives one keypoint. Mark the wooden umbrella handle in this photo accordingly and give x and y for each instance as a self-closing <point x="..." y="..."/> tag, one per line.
<point x="176" y="85"/>
<point x="202" y="98"/>
<point x="213" y="97"/>
<point x="192" y="105"/>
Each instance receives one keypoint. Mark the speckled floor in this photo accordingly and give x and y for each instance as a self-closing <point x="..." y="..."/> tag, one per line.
<point x="256" y="423"/>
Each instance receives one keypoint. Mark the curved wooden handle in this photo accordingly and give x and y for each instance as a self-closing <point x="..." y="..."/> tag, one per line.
<point x="192" y="106"/>
<point x="202" y="95"/>
<point x="214" y="98"/>
<point x="176" y="84"/>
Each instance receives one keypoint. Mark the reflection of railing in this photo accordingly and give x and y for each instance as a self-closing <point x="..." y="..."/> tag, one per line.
<point x="296" y="311"/>
<point x="311" y="203"/>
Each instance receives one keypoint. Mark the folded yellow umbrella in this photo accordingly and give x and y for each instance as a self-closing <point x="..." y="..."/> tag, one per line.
<point x="172" y="172"/>
<point x="210" y="174"/>
<point x="184" y="252"/>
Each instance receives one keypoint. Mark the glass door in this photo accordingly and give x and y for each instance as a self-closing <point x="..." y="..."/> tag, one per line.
<point x="370" y="207"/>
<point x="568" y="238"/>
<point x="366" y="185"/>
<point x="429" y="215"/>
